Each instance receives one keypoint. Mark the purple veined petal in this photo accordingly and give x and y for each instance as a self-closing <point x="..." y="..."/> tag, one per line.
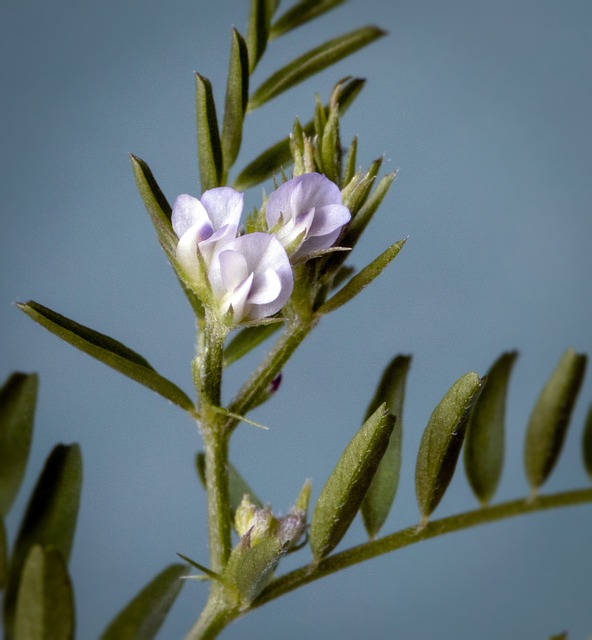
<point x="187" y="252"/>
<point x="280" y="203"/>
<point x="315" y="244"/>
<point x="328" y="218"/>
<point x="188" y="212"/>
<point x="238" y="299"/>
<point x="266" y="288"/>
<point x="318" y="191"/>
<point x="224" y="206"/>
<point x="216" y="241"/>
<point x="233" y="269"/>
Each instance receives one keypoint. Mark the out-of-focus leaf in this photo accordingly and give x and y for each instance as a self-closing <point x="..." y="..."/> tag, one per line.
<point x="107" y="350"/>
<point x="442" y="440"/>
<point x="247" y="339"/>
<point x="237" y="95"/>
<point x="50" y="518"/>
<point x="350" y="162"/>
<point x="237" y="486"/>
<point x="362" y="279"/>
<point x="301" y="13"/>
<point x="45" y="603"/>
<point x="331" y="148"/>
<point x="344" y="491"/>
<point x="209" y="149"/>
<point x="3" y="556"/>
<point x="550" y="417"/>
<point x="312" y="62"/>
<point x="383" y="488"/>
<point x="587" y="442"/>
<point x="278" y="156"/>
<point x="258" y="30"/>
<point x="18" y="397"/>
<point x="484" y="443"/>
<point x="143" y="616"/>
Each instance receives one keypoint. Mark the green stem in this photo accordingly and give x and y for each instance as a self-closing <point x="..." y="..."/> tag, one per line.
<point x="212" y="620"/>
<point x="415" y="534"/>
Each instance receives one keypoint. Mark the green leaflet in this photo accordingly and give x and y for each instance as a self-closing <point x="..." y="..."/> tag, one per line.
<point x="550" y="417"/>
<point x="50" y="519"/>
<point x="331" y="148"/>
<point x="362" y="279"/>
<point x="237" y="486"/>
<point x="301" y="13"/>
<point x="143" y="616"/>
<point x="45" y="603"/>
<point x="209" y="149"/>
<point x="237" y="95"/>
<point x="279" y="156"/>
<point x="247" y="339"/>
<point x="18" y="397"/>
<point x="441" y="442"/>
<point x="383" y="488"/>
<point x="350" y="162"/>
<point x="484" y="442"/>
<point x="313" y="62"/>
<point x="258" y="30"/>
<point x="107" y="350"/>
<point x="587" y="442"/>
<point x="344" y="491"/>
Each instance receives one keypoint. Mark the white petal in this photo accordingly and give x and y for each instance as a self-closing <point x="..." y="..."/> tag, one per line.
<point x="224" y="206"/>
<point x="266" y="288"/>
<point x="316" y="243"/>
<point x="188" y="212"/>
<point x="233" y="269"/>
<point x="238" y="299"/>
<point x="318" y="191"/>
<point x="187" y="253"/>
<point x="329" y="218"/>
<point x="279" y="203"/>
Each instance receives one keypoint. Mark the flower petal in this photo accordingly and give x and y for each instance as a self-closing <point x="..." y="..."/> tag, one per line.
<point x="224" y="206"/>
<point x="187" y="253"/>
<point x="266" y="288"/>
<point x="233" y="269"/>
<point x="188" y="212"/>
<point x="328" y="218"/>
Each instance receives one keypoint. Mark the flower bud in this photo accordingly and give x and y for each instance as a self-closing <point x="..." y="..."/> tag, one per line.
<point x="253" y="523"/>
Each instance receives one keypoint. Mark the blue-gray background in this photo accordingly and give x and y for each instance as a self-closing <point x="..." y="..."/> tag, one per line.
<point x="485" y="108"/>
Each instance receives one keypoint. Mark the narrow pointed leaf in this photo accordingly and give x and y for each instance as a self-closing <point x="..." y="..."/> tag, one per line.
<point x="367" y="210"/>
<point x="258" y="30"/>
<point x="484" y="442"/>
<point x="237" y="486"/>
<point x="45" y="604"/>
<point x="350" y="162"/>
<point x="300" y="13"/>
<point x="200" y="567"/>
<point x="50" y="518"/>
<point x="344" y="491"/>
<point x="383" y="488"/>
<point x="18" y="397"/>
<point x="107" y="350"/>
<point x="362" y="279"/>
<point x="209" y="149"/>
<point x="279" y="156"/>
<point x="442" y="440"/>
<point x="143" y="616"/>
<point x="247" y="339"/>
<point x="313" y="62"/>
<point x="3" y="556"/>
<point x="550" y="417"/>
<point x="587" y="443"/>
<point x="331" y="148"/>
<point x="237" y="94"/>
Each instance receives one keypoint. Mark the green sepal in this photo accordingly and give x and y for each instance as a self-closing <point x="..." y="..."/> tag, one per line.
<point x="383" y="488"/>
<point x="258" y="30"/>
<point x="246" y="340"/>
<point x="237" y="95"/>
<point x="550" y="416"/>
<point x="300" y="13"/>
<point x="50" y="518"/>
<point x="587" y="443"/>
<point x="442" y="440"/>
<point x="279" y="155"/>
<point x="313" y="62"/>
<point x="107" y="350"/>
<point x="143" y="616"/>
<point x="484" y="441"/>
<point x="342" y="495"/>
<point x="237" y="485"/>
<point x="330" y="148"/>
<point x="3" y="556"/>
<point x="45" y="602"/>
<point x="362" y="279"/>
<point x="209" y="148"/>
<point x="18" y="398"/>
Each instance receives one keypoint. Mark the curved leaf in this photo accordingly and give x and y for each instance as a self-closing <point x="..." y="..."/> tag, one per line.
<point x="301" y="13"/>
<point x="45" y="603"/>
<point x="442" y="440"/>
<point x="247" y="339"/>
<point x="143" y="616"/>
<point x="344" y="491"/>
<point x="587" y="442"/>
<point x="258" y="30"/>
<point x="209" y="149"/>
<point x="106" y="350"/>
<point x="484" y="442"/>
<point x="50" y="518"/>
<point x="550" y="417"/>
<point x="383" y="488"/>
<point x="313" y="62"/>
<point x="18" y="397"/>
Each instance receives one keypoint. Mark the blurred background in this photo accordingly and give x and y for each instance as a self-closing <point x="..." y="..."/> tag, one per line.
<point x="485" y="109"/>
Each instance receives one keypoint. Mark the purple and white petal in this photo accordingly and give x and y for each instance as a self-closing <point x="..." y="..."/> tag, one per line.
<point x="224" y="206"/>
<point x="188" y="212"/>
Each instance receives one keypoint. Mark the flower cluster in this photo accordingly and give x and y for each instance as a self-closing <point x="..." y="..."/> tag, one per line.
<point x="249" y="277"/>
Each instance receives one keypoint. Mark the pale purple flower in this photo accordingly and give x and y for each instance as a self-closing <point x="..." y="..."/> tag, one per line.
<point x="306" y="214"/>
<point x="252" y="275"/>
<point x="205" y="225"/>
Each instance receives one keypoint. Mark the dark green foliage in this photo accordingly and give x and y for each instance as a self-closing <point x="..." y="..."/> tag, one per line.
<point x="209" y="148"/>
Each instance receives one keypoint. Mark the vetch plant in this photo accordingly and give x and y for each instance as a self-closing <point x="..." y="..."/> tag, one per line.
<point x="281" y="269"/>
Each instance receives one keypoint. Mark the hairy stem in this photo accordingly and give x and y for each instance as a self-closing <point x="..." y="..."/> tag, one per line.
<point x="411" y="535"/>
